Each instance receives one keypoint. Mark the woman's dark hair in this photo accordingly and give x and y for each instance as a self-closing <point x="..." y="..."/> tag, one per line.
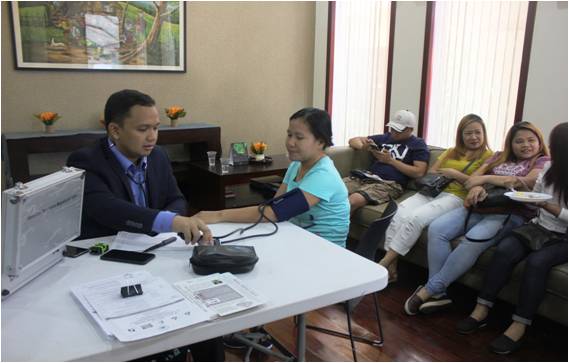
<point x="508" y="153"/>
<point x="318" y="122"/>
<point x="557" y="173"/>
<point x="119" y="104"/>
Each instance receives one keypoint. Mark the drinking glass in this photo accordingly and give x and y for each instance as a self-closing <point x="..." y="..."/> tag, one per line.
<point x="224" y="165"/>
<point x="211" y="158"/>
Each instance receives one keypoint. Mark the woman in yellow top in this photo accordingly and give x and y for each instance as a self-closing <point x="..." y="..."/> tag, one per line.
<point x="416" y="212"/>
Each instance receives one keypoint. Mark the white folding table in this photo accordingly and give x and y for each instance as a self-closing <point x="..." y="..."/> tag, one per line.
<point x="297" y="271"/>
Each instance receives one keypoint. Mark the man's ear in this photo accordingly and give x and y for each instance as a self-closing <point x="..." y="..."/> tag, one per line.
<point x="113" y="130"/>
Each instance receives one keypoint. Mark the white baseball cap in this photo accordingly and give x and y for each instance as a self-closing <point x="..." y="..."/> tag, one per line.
<point x="403" y="119"/>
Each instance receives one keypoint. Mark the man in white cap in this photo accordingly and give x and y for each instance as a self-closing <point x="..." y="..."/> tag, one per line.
<point x="399" y="156"/>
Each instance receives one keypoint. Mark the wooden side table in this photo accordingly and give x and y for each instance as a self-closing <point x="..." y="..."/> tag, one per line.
<point x="200" y="138"/>
<point x="206" y="188"/>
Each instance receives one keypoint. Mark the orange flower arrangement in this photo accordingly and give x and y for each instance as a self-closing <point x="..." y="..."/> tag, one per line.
<point x="175" y="112"/>
<point x="48" y="118"/>
<point x="258" y="148"/>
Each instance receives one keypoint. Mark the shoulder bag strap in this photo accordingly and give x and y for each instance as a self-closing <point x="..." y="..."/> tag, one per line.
<point x="468" y="166"/>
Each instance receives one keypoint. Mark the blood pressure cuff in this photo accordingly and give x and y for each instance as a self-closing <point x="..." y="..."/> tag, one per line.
<point x="288" y="205"/>
<point x="220" y="258"/>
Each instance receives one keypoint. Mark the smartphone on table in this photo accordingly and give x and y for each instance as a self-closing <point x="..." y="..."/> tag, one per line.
<point x="137" y="258"/>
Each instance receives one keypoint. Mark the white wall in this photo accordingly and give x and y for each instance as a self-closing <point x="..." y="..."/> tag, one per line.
<point x="320" y="54"/>
<point x="408" y="56"/>
<point x="546" y="92"/>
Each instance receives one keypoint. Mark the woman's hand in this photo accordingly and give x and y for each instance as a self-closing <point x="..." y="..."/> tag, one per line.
<point x="475" y="180"/>
<point x="475" y="195"/>
<point x="510" y="182"/>
<point x="552" y="208"/>
<point x="448" y="172"/>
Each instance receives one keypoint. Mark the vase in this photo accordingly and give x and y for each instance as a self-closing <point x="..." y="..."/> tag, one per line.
<point x="259" y="157"/>
<point x="49" y="129"/>
<point x="174" y="122"/>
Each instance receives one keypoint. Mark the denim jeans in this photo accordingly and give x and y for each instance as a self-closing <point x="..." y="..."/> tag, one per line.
<point x="447" y="265"/>
<point x="509" y="252"/>
<point x="414" y="214"/>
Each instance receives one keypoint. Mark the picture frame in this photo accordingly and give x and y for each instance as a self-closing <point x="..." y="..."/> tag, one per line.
<point x="99" y="35"/>
<point x="238" y="155"/>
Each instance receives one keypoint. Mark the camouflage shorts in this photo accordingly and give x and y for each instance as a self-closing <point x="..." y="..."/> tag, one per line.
<point x="375" y="192"/>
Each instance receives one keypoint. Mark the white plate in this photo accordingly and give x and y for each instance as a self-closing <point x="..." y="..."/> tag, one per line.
<point x="528" y="197"/>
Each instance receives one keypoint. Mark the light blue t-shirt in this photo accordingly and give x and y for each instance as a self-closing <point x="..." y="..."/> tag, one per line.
<point x="329" y="218"/>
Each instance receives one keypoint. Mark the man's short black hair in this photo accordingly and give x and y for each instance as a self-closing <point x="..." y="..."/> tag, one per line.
<point x="119" y="104"/>
<point x="318" y="122"/>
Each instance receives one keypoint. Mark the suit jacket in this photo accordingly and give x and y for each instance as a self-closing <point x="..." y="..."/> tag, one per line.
<point x="108" y="204"/>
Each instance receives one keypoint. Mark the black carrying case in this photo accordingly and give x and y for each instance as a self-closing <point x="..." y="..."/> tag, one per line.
<point x="206" y="260"/>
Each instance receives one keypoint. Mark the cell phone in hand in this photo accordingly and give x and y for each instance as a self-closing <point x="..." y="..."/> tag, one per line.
<point x="373" y="145"/>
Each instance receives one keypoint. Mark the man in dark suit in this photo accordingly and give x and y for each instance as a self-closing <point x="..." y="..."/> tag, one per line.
<point x="129" y="186"/>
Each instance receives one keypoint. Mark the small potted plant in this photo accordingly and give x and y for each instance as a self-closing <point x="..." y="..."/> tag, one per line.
<point x="48" y="119"/>
<point x="258" y="149"/>
<point x="174" y="113"/>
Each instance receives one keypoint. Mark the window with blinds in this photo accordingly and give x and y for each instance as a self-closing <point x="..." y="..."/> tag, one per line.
<point x="475" y="67"/>
<point x="361" y="49"/>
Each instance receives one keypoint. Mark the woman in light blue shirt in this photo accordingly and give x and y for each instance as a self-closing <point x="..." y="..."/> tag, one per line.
<point x="324" y="195"/>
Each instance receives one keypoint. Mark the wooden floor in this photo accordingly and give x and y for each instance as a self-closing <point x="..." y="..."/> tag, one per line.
<point x="419" y="338"/>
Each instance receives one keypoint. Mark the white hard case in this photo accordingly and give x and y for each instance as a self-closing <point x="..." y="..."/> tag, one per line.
<point x="38" y="219"/>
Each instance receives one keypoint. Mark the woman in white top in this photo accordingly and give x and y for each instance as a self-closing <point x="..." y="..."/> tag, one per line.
<point x="552" y="216"/>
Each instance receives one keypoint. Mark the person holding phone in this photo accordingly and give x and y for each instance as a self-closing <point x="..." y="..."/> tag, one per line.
<point x="398" y="156"/>
<point x="316" y="199"/>
<point x="129" y="186"/>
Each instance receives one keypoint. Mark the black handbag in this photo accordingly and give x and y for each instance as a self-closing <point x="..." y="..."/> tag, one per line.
<point x="535" y="236"/>
<point x="432" y="185"/>
<point x="496" y="202"/>
<point x="220" y="258"/>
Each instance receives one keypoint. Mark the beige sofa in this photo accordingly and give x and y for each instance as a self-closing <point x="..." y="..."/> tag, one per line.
<point x="554" y="305"/>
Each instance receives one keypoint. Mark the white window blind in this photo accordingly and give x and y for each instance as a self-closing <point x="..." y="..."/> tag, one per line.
<point x="361" y="50"/>
<point x="475" y="67"/>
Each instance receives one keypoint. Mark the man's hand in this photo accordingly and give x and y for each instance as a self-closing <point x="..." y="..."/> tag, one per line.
<point x="475" y="195"/>
<point x="382" y="156"/>
<point x="360" y="143"/>
<point x="191" y="228"/>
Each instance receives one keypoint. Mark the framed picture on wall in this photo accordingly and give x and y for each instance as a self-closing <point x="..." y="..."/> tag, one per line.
<point x="99" y="35"/>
